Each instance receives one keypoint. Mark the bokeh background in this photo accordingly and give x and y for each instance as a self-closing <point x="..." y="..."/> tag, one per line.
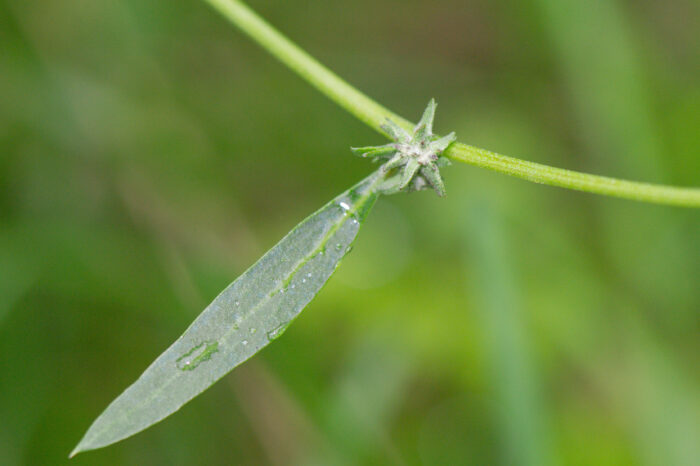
<point x="149" y="153"/>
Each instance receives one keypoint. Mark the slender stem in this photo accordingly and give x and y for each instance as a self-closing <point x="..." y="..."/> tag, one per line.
<point x="373" y="115"/>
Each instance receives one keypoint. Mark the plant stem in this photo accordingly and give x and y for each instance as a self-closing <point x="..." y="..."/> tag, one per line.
<point x="373" y="115"/>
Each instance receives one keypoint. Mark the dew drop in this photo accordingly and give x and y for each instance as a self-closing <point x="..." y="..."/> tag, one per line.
<point x="244" y="342"/>
<point x="338" y="247"/>
<point x="308" y="274"/>
<point x="253" y="330"/>
<point x="197" y="355"/>
<point x="277" y="331"/>
<point x="292" y="286"/>
<point x="344" y="206"/>
<point x="303" y="280"/>
<point x="237" y="303"/>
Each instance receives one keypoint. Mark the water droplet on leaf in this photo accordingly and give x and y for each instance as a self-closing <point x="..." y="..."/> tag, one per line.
<point x="197" y="355"/>
<point x="277" y="332"/>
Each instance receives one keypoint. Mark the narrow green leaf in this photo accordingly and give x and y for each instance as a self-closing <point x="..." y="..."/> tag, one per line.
<point x="439" y="145"/>
<point x="250" y="313"/>
<point x="374" y="151"/>
<point x="409" y="172"/>
<point x="396" y="132"/>
<point x="432" y="176"/>
<point x="424" y="128"/>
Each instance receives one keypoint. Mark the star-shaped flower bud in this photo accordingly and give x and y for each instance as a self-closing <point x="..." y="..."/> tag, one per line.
<point x="416" y="158"/>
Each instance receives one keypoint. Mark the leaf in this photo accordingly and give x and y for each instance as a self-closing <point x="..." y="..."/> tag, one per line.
<point x="250" y="313"/>
<point x="424" y="128"/>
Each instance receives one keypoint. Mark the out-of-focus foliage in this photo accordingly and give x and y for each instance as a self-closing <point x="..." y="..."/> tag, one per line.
<point x="149" y="154"/>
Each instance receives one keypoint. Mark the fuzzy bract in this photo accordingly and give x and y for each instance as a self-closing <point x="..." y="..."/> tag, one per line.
<point x="416" y="156"/>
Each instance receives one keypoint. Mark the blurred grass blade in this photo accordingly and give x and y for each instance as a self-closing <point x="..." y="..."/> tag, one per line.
<point x="250" y="313"/>
<point x="521" y="413"/>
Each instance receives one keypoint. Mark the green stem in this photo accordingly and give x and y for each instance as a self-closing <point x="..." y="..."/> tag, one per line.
<point x="373" y="115"/>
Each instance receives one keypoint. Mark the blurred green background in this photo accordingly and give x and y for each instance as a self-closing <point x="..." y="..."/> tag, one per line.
<point x="149" y="153"/>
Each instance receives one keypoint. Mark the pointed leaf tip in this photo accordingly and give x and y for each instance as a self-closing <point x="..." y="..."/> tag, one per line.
<point x="439" y="145"/>
<point x="395" y="132"/>
<point x="409" y="172"/>
<point x="432" y="176"/>
<point x="374" y="151"/>
<point x="424" y="127"/>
